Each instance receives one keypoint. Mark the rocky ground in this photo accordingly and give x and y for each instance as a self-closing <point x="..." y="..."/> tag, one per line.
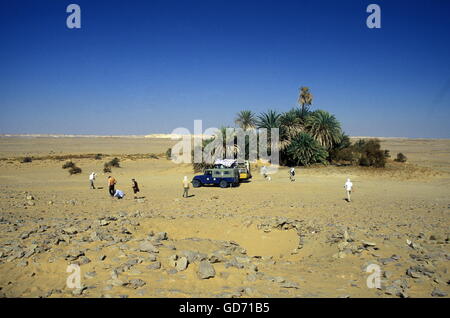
<point x="262" y="239"/>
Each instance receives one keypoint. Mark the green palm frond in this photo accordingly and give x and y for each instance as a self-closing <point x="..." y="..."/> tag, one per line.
<point x="245" y="119"/>
<point x="324" y="128"/>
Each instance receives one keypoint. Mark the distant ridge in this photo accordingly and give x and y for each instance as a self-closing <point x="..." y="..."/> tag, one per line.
<point x="175" y="136"/>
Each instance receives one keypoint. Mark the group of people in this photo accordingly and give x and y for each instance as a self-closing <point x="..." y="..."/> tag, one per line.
<point x="134" y="185"/>
<point x="113" y="192"/>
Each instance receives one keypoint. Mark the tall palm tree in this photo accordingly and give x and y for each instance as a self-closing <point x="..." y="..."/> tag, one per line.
<point x="268" y="120"/>
<point x="305" y="99"/>
<point x="245" y="119"/>
<point x="324" y="128"/>
<point x="291" y="123"/>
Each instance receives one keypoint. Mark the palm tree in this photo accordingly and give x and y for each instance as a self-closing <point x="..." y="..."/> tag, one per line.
<point x="291" y="123"/>
<point x="305" y="150"/>
<point x="305" y="99"/>
<point x="324" y="128"/>
<point x="268" y="120"/>
<point x="226" y="149"/>
<point x="245" y="119"/>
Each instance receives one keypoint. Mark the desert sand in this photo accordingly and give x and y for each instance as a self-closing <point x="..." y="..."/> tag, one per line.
<point x="262" y="239"/>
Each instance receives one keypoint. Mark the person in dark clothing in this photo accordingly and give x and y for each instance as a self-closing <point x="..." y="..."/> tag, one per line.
<point x="135" y="187"/>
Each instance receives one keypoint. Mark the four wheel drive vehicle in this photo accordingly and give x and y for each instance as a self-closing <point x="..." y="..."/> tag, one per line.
<point x="224" y="177"/>
<point x="244" y="170"/>
<point x="243" y="167"/>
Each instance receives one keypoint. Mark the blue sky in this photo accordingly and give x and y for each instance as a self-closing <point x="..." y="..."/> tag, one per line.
<point x="140" y="67"/>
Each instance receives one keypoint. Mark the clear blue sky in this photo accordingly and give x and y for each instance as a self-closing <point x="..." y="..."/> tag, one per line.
<point x="140" y="67"/>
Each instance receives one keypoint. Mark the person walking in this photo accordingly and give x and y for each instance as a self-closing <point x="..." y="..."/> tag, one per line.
<point x="185" y="187"/>
<point x="348" y="188"/>
<point x="92" y="179"/>
<point x="111" y="185"/>
<point x="135" y="187"/>
<point x="292" y="174"/>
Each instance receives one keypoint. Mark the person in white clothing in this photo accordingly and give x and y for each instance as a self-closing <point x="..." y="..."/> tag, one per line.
<point x="92" y="179"/>
<point x="292" y="174"/>
<point x="264" y="172"/>
<point x="119" y="194"/>
<point x="348" y="187"/>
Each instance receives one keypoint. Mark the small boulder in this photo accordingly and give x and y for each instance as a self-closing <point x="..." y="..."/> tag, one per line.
<point x="205" y="270"/>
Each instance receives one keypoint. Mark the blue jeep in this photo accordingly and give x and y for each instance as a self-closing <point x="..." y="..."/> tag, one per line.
<point x="224" y="177"/>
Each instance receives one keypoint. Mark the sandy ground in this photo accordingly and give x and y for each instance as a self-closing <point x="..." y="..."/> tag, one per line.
<point x="262" y="239"/>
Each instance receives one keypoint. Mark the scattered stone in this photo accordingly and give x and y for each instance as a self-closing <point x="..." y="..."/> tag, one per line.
<point x="155" y="265"/>
<point x="181" y="264"/>
<point x="79" y="291"/>
<point x="136" y="283"/>
<point x="289" y="285"/>
<point x="74" y="254"/>
<point x="70" y="230"/>
<point x="90" y="274"/>
<point x="83" y="260"/>
<point x="438" y="293"/>
<point x="147" y="246"/>
<point x="205" y="270"/>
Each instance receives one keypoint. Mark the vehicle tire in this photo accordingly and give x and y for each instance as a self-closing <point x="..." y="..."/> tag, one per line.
<point x="223" y="184"/>
<point x="196" y="184"/>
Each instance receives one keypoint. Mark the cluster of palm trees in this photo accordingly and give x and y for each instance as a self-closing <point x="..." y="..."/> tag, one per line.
<point x="306" y="137"/>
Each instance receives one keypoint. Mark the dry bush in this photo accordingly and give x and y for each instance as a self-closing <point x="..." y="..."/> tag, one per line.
<point x="26" y="160"/>
<point x="106" y="168"/>
<point x="401" y="157"/>
<point x="74" y="170"/>
<point x="68" y="164"/>
<point x="115" y="162"/>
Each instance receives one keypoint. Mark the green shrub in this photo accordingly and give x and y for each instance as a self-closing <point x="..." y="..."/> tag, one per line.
<point x="153" y="156"/>
<point x="74" y="170"/>
<point x="401" y="157"/>
<point x="344" y="155"/>
<point x="26" y="160"/>
<point x="68" y="164"/>
<point x="305" y="150"/>
<point x="98" y="156"/>
<point x="364" y="161"/>
<point x="371" y="153"/>
<point x="115" y="163"/>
